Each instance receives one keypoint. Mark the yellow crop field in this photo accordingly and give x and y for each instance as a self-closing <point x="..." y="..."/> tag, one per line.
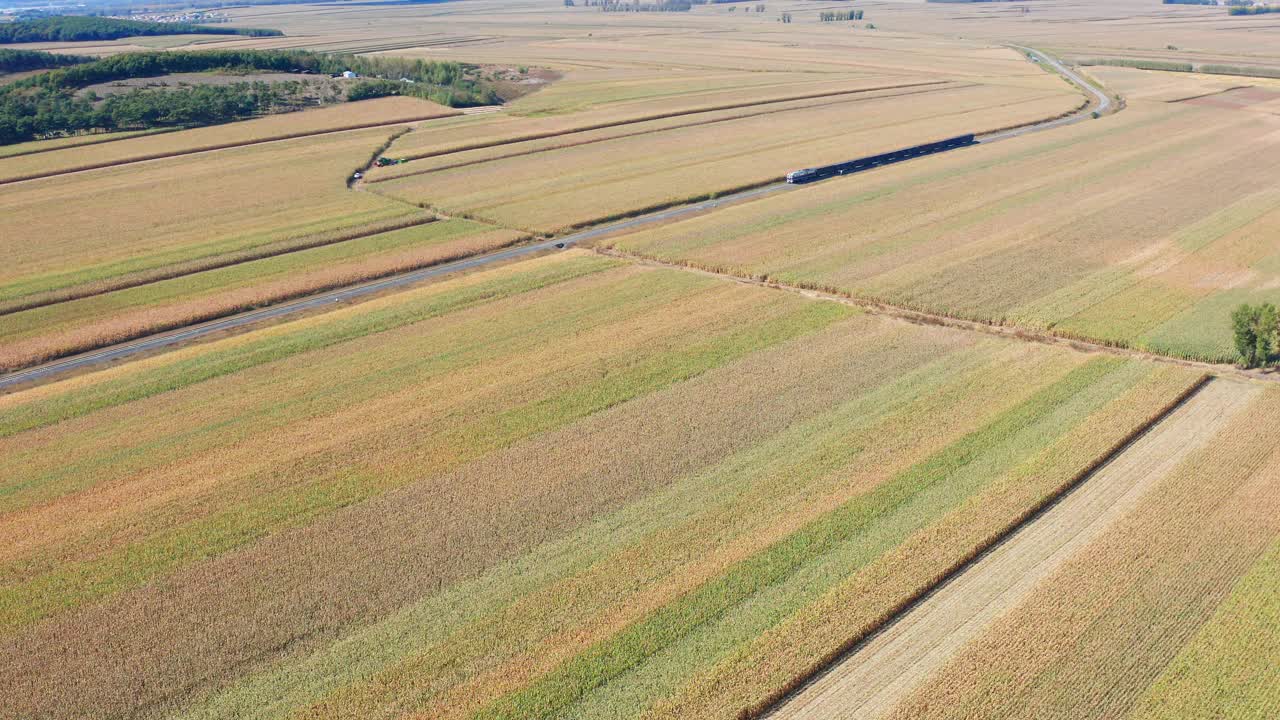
<point x="1170" y="614"/>
<point x="38" y="146"/>
<point x="1025" y="232"/>
<point x="561" y="188"/>
<point x="939" y="439"/>
<point x="1092" y="28"/>
<point x="144" y="217"/>
<point x="447" y="137"/>
<point x="380" y="111"/>
<point x="30" y="336"/>
<point x="483" y="554"/>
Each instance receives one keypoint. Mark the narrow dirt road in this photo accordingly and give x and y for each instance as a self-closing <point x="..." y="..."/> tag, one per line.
<point x="879" y="673"/>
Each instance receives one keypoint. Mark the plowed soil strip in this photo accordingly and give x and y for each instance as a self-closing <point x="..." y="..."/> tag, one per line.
<point x="879" y="673"/>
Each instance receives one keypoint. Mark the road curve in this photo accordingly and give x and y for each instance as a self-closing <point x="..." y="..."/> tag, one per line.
<point x="160" y="341"/>
<point x="1099" y="101"/>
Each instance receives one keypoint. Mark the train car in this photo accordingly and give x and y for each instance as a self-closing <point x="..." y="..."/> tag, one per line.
<point x="808" y="175"/>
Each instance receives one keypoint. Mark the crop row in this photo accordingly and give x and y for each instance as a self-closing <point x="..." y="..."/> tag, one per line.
<point x="1099" y="638"/>
<point x="570" y="186"/>
<point x="479" y="553"/>
<point x="54" y="331"/>
<point x="288" y="126"/>
<point x="1020" y="233"/>
<point x="103" y="235"/>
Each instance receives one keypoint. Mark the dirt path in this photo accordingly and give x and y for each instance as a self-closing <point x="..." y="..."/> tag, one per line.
<point x="879" y="673"/>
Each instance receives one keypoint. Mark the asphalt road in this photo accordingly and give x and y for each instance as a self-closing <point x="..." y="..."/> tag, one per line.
<point x="160" y="341"/>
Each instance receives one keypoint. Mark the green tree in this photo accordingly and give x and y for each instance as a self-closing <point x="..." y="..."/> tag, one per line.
<point x="1254" y="329"/>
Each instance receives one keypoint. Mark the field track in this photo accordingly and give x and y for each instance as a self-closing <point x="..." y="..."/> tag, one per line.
<point x="154" y="343"/>
<point x="884" y="669"/>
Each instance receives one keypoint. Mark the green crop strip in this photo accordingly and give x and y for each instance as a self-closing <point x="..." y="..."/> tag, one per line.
<point x="551" y="695"/>
<point x="80" y="582"/>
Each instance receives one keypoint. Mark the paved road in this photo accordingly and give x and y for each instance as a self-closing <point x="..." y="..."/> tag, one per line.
<point x="163" y="340"/>
<point x="159" y="341"/>
<point x="1100" y="102"/>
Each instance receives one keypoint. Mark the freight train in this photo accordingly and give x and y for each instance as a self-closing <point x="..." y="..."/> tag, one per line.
<point x="853" y="166"/>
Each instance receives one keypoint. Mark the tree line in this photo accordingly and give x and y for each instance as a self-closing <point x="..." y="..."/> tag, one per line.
<point x="638" y="6"/>
<point x="73" y="28"/>
<point x="51" y="103"/>
<point x="839" y="15"/>
<point x="156" y="63"/>
<point x="24" y="60"/>
<point x="1252" y="10"/>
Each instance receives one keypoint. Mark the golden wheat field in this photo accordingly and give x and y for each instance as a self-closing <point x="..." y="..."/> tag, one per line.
<point x="111" y="315"/>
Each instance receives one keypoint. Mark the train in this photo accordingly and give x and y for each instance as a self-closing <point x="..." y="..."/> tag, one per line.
<point x="852" y="166"/>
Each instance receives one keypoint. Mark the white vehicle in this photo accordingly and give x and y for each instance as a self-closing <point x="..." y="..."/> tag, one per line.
<point x="799" y="176"/>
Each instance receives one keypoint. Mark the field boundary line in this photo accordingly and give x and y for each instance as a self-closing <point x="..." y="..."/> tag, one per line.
<point x="212" y="148"/>
<point x="100" y="141"/>
<point x="699" y="123"/>
<point x="1208" y="94"/>
<point x="979" y="551"/>
<point x="921" y="317"/>
<point x="195" y="267"/>
<point x="664" y="116"/>
<point x="249" y="311"/>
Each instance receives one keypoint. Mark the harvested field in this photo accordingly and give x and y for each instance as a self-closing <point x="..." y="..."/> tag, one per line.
<point x="32" y="336"/>
<point x="145" y="218"/>
<point x="479" y="553"/>
<point x="1178" y="86"/>
<point x="1137" y="622"/>
<point x="347" y="116"/>
<point x="511" y="133"/>
<point x="1026" y="232"/>
<point x="561" y="188"/>
<point x="880" y="674"/>
<point x="39" y="146"/>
